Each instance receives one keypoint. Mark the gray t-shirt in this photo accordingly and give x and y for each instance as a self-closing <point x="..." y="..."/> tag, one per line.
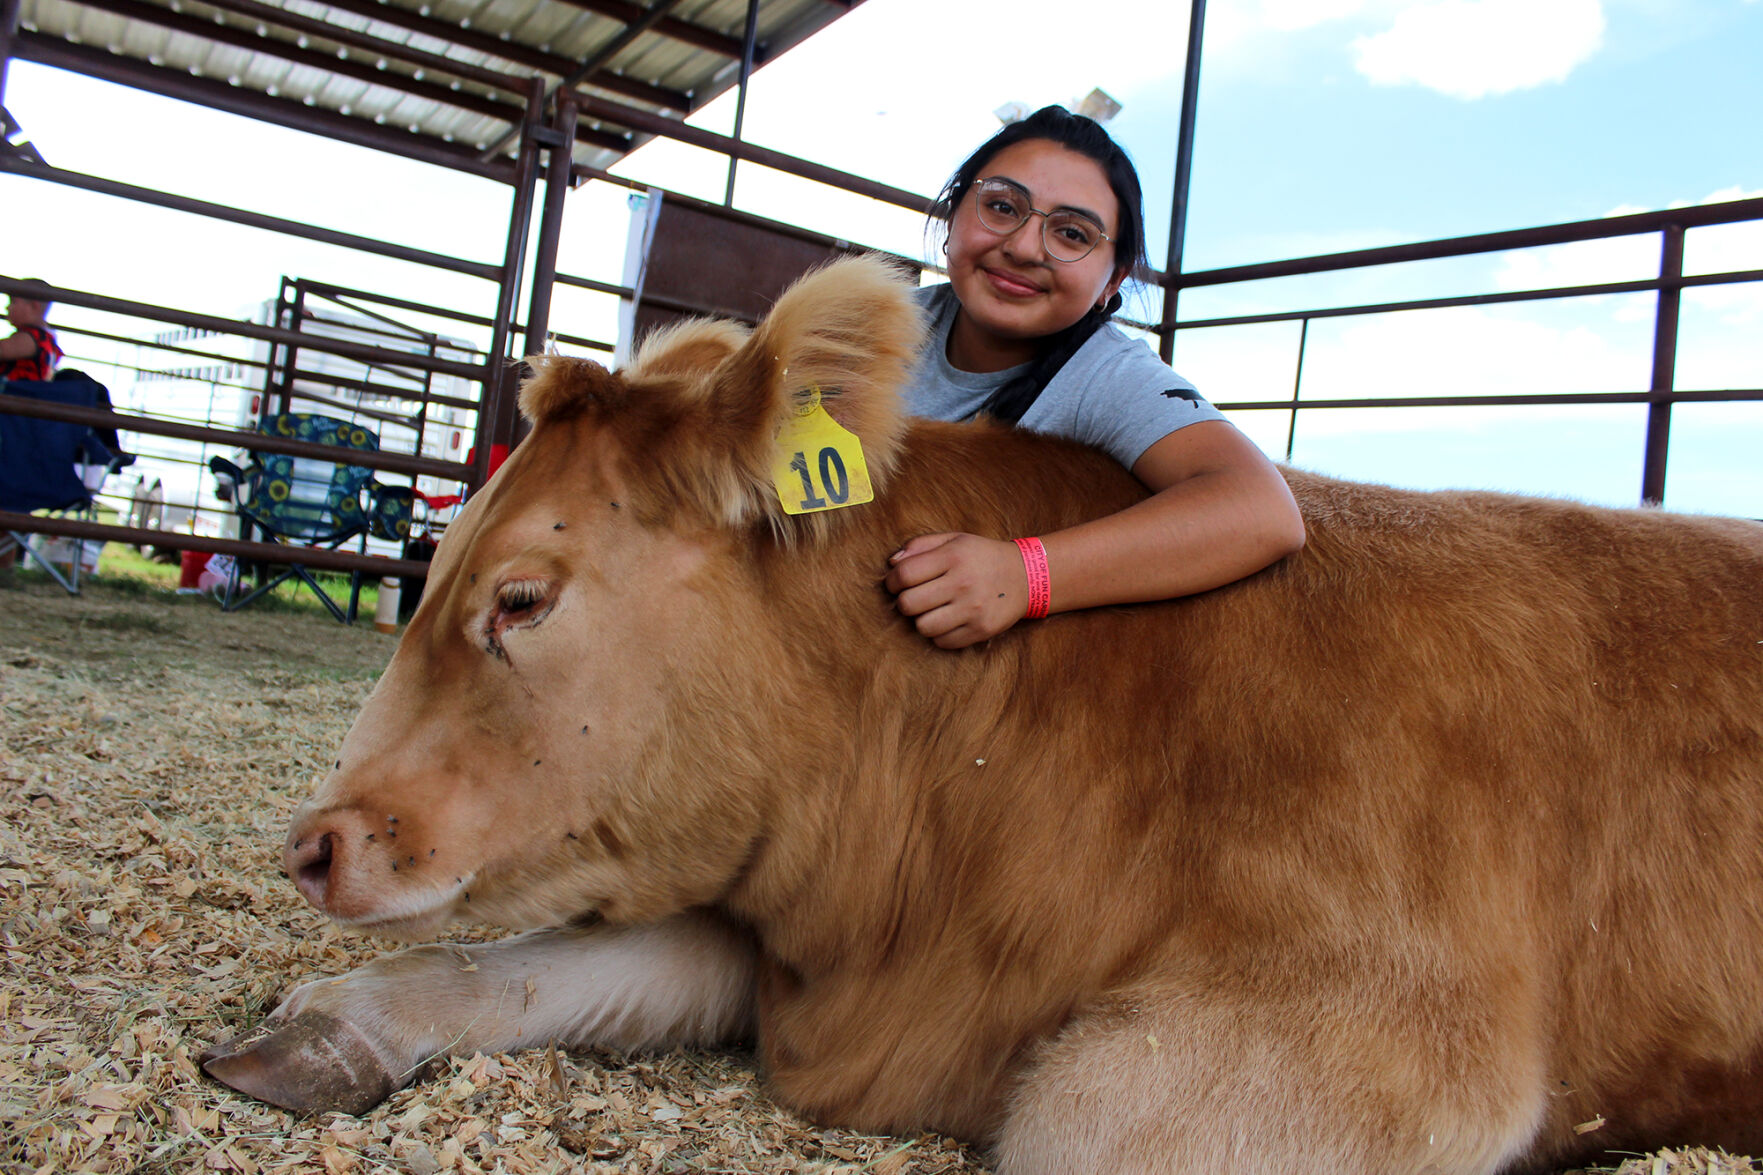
<point x="1115" y="393"/>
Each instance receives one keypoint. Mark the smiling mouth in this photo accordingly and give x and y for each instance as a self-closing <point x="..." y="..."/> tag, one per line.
<point x="1010" y="284"/>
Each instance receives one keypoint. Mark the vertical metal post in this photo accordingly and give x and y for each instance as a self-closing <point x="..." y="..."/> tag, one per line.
<point x="272" y="358"/>
<point x="9" y="11"/>
<point x="495" y="422"/>
<point x="290" y="314"/>
<point x="1664" y="366"/>
<point x="432" y="342"/>
<point x="1184" y="175"/>
<point x="748" y="46"/>
<point x="1297" y="385"/>
<point x="559" y="163"/>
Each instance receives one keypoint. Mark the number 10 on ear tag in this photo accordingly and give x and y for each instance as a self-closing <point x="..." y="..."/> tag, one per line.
<point x="819" y="464"/>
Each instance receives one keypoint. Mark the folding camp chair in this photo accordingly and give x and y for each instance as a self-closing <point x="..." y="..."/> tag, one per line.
<point x="312" y="501"/>
<point x="53" y="465"/>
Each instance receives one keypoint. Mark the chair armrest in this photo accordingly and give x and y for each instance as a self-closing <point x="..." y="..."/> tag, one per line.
<point x="229" y="479"/>
<point x="221" y="467"/>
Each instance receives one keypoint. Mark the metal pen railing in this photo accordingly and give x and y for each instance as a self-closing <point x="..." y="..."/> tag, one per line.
<point x="1668" y="285"/>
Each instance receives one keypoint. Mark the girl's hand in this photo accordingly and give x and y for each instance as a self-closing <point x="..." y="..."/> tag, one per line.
<point x="962" y="588"/>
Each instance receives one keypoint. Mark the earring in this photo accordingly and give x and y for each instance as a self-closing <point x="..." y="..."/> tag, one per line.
<point x="945" y="248"/>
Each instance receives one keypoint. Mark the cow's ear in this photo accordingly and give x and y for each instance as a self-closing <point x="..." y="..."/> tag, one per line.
<point x="849" y="333"/>
<point x="561" y="387"/>
<point x="685" y="349"/>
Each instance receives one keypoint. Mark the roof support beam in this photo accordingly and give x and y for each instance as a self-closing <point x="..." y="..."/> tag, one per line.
<point x="392" y="50"/>
<point x="644" y="122"/>
<point x="601" y="58"/>
<point x="538" y="59"/>
<point x="319" y="59"/>
<point x="343" y="66"/>
<point x="678" y="30"/>
<point x="112" y="67"/>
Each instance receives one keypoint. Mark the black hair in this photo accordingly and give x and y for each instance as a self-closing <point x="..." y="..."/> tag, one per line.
<point x="1085" y="136"/>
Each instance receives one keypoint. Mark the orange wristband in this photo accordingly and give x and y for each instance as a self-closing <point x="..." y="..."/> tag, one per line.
<point x="1040" y="584"/>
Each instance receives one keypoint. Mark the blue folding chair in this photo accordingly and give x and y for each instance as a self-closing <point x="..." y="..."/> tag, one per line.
<point x="313" y="502"/>
<point x="43" y="463"/>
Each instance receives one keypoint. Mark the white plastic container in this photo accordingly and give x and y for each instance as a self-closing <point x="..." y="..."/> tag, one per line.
<point x="385" y="614"/>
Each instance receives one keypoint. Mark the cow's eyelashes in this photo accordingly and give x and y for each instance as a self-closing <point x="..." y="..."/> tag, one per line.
<point x="520" y="602"/>
<point x="520" y="594"/>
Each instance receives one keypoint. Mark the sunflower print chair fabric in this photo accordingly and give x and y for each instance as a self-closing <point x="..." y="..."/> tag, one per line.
<point x="314" y="502"/>
<point x="306" y="499"/>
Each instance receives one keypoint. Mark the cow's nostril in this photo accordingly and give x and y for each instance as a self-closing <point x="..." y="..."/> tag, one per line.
<point x="310" y="867"/>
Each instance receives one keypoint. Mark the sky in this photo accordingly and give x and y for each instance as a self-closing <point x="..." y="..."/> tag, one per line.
<point x="1324" y="125"/>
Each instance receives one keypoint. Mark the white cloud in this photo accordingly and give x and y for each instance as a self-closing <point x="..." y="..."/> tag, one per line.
<point x="1474" y="48"/>
<point x="1580" y="263"/>
<point x="1291" y="15"/>
<point x="1710" y="249"/>
<point x="1469" y="351"/>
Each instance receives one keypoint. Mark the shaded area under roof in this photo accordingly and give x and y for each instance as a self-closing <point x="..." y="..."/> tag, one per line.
<point x="445" y="81"/>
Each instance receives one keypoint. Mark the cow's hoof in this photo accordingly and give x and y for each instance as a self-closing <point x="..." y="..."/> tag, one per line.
<point x="311" y="1063"/>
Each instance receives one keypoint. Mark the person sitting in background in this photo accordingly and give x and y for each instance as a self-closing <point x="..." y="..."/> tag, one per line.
<point x="31" y="351"/>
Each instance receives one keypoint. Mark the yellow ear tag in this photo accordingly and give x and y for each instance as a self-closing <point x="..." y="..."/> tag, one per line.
<point x="819" y="464"/>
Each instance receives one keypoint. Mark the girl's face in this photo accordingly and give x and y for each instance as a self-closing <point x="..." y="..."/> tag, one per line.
<point x="1012" y="292"/>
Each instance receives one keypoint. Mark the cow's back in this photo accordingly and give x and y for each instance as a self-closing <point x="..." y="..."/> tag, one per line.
<point x="1522" y="741"/>
<point x="1503" y="755"/>
<point x="1594" y="679"/>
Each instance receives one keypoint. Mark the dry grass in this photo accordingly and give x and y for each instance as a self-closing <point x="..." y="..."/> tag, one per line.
<point x="153" y="749"/>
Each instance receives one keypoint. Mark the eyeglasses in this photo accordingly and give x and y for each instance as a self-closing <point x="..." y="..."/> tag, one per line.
<point x="1003" y="205"/>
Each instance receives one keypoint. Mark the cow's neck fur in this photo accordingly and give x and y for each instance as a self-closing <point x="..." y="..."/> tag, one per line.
<point x="902" y="773"/>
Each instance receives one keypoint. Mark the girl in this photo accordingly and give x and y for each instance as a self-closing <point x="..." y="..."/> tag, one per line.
<point x="31" y="352"/>
<point x="1043" y="225"/>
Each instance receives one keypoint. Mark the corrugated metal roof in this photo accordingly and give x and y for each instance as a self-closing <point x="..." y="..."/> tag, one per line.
<point x="449" y="75"/>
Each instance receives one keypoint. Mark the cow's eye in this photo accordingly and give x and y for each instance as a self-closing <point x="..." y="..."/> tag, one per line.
<point x="520" y="601"/>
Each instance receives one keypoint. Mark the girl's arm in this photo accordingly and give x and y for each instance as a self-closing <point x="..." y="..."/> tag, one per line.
<point x="1218" y="511"/>
<point x="19" y="345"/>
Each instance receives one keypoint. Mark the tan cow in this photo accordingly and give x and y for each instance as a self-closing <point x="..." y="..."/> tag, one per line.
<point x="1410" y="854"/>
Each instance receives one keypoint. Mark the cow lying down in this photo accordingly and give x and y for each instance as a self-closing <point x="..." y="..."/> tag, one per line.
<point x="1422" y="851"/>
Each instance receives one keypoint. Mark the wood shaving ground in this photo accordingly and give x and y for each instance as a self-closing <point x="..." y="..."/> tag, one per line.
<point x="153" y="749"/>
